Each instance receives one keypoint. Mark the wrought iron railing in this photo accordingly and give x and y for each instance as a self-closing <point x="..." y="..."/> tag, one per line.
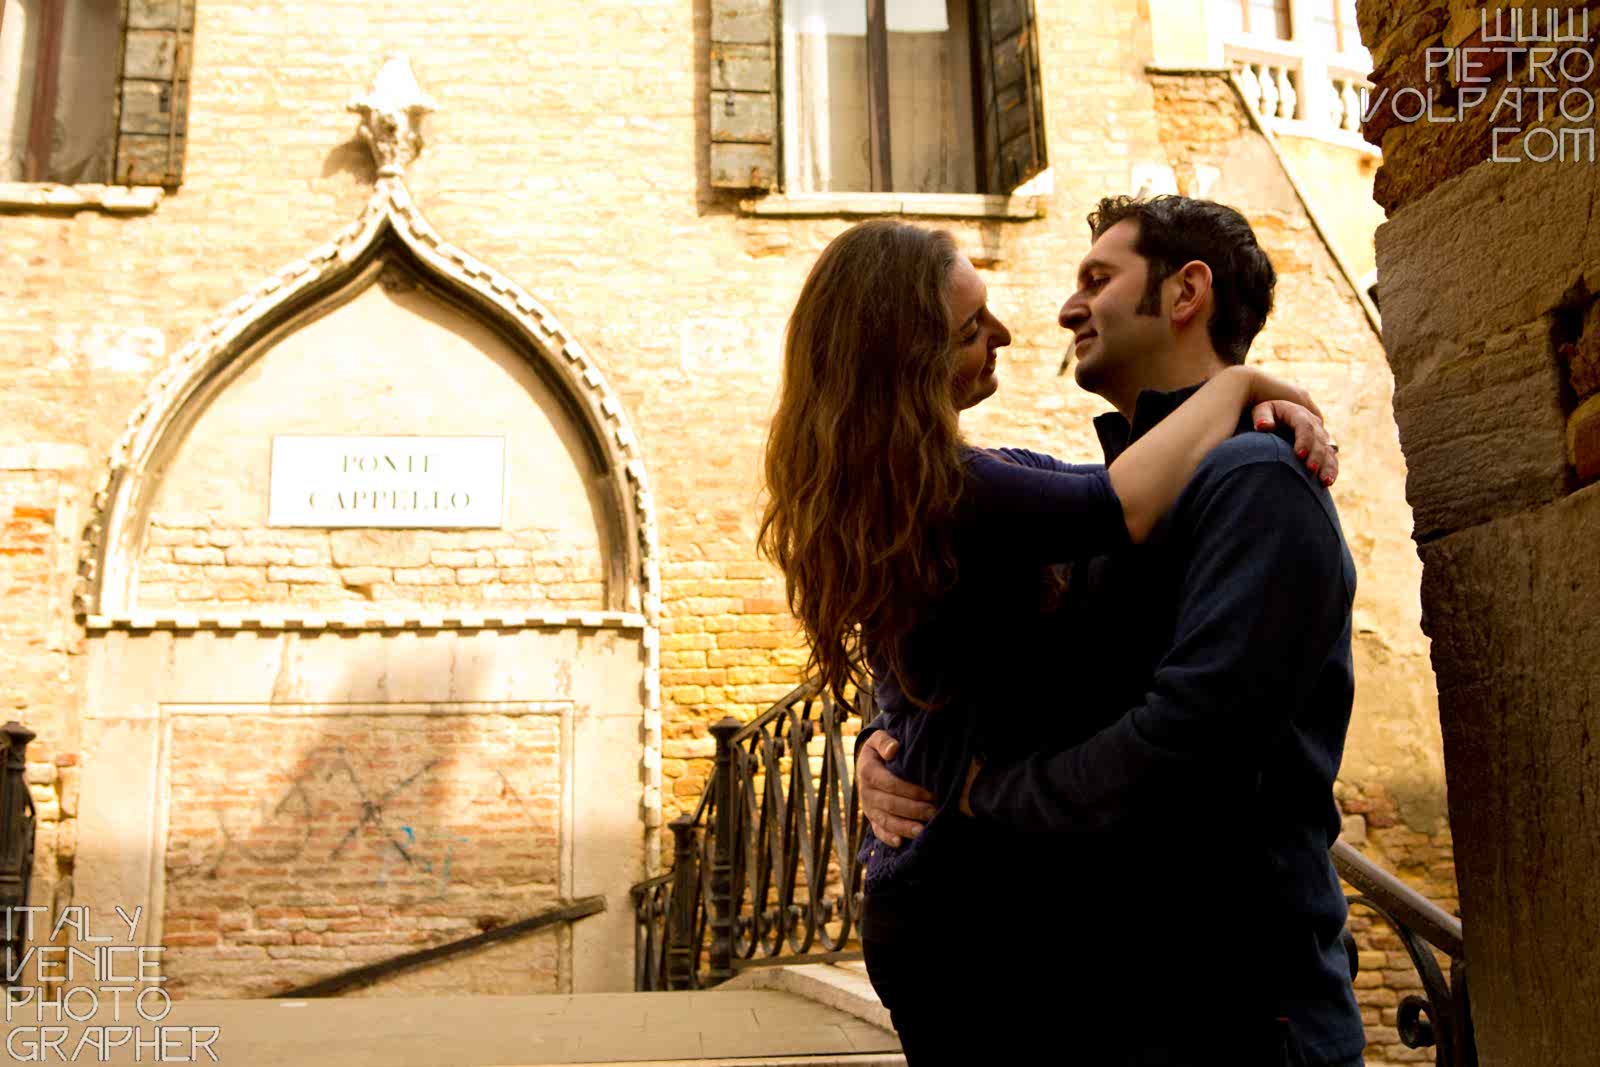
<point x="1442" y="1018"/>
<point x="17" y="821"/>
<point x="764" y="872"/>
<point x="764" y="869"/>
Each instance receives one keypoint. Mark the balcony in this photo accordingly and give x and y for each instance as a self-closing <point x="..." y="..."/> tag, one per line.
<point x="1301" y="92"/>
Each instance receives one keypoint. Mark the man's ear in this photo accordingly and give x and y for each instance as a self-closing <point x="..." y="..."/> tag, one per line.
<point x="1192" y="292"/>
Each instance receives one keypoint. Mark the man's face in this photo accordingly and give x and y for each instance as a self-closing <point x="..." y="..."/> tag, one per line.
<point x="1114" y="340"/>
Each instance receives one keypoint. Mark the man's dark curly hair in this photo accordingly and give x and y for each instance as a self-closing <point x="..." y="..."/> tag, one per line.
<point x="1174" y="230"/>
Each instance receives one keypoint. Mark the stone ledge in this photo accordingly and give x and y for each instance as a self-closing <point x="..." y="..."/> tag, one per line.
<point x="193" y="620"/>
<point x="843" y="988"/>
<point x="113" y="199"/>
<point x="940" y="205"/>
<point x="1322" y="132"/>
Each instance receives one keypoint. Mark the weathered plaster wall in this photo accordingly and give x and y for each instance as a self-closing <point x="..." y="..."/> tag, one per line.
<point x="1337" y="180"/>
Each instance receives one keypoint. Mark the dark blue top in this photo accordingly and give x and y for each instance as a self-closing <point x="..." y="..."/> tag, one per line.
<point x="1211" y="687"/>
<point x="978" y="645"/>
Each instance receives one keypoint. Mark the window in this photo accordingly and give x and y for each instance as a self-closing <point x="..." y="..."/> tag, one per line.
<point x="1264" y="18"/>
<point x="1334" y="27"/>
<point x="87" y="98"/>
<point x="902" y="96"/>
<point x="880" y="102"/>
<point x="1328" y="25"/>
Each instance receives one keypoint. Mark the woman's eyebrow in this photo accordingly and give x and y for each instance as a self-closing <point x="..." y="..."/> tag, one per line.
<point x="972" y="318"/>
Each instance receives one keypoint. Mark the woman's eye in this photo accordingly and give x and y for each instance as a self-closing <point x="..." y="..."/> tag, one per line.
<point x="967" y="340"/>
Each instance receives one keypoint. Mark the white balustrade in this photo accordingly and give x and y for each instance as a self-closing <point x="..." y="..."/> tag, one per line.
<point x="1271" y="88"/>
<point x="1299" y="92"/>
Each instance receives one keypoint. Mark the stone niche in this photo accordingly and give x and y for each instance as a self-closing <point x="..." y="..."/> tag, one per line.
<point x="309" y="748"/>
<point x="391" y="358"/>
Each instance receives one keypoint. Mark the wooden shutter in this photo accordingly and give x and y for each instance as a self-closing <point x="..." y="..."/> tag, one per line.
<point x="1010" y="101"/>
<point x="153" y="101"/>
<point x="744" y="98"/>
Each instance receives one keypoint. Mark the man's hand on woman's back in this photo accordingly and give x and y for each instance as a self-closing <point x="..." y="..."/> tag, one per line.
<point x="894" y="807"/>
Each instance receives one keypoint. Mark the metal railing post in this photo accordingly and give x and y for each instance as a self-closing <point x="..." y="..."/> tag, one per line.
<point x="680" y="912"/>
<point x="722" y="855"/>
<point x="16" y="845"/>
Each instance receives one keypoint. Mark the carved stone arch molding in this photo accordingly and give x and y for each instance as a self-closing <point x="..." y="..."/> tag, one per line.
<point x="390" y="227"/>
<point x="139" y="650"/>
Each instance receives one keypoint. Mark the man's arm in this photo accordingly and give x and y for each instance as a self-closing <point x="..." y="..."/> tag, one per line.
<point x="1264" y="601"/>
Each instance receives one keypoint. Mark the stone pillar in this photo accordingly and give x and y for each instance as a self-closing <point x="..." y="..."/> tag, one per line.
<point x="1487" y="272"/>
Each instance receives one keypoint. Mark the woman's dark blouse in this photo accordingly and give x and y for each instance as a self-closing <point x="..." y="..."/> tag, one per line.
<point x="983" y="645"/>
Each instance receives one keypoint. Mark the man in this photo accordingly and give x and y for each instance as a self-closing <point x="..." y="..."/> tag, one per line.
<point x="1209" y="686"/>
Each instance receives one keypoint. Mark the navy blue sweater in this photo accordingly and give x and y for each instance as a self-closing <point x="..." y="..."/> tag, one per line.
<point x="1211" y="691"/>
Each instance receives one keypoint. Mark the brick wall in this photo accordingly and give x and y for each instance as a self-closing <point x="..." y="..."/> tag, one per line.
<point x="298" y="846"/>
<point x="198" y="562"/>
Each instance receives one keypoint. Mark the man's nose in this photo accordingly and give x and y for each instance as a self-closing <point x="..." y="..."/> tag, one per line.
<point x="1072" y="313"/>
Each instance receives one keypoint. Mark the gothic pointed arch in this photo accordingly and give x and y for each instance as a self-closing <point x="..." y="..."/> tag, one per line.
<point x="390" y="230"/>
<point x="390" y="236"/>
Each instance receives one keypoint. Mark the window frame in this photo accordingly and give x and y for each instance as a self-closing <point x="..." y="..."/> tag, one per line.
<point x="36" y="191"/>
<point x="749" y="148"/>
<point x="1288" y="14"/>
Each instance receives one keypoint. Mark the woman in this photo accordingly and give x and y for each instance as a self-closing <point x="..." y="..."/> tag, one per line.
<point x="907" y="549"/>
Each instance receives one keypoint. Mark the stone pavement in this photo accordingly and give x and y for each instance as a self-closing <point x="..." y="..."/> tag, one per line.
<point x="745" y="1027"/>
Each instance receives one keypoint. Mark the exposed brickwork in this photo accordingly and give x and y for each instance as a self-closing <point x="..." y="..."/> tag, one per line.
<point x="190" y="560"/>
<point x="299" y="847"/>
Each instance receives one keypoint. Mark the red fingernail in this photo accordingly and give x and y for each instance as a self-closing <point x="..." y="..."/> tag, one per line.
<point x="1302" y="453"/>
<point x="1312" y="466"/>
<point x="1261" y="426"/>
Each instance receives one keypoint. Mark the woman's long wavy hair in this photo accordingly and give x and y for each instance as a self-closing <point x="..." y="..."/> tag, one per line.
<point x="863" y="465"/>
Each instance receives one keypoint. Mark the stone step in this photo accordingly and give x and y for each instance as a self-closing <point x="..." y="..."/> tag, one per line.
<point x="740" y="1027"/>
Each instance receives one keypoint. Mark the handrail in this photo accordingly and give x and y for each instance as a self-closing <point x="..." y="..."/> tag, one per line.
<point x="1437" y="926"/>
<point x="1442" y="1018"/>
<point x="371" y="972"/>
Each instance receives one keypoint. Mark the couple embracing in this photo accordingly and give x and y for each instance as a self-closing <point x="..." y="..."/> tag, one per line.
<point x="1112" y="698"/>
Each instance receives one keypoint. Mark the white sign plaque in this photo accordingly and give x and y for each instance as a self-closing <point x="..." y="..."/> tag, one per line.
<point x="387" y="481"/>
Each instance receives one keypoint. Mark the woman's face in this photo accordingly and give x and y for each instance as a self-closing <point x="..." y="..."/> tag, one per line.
<point x="976" y="334"/>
